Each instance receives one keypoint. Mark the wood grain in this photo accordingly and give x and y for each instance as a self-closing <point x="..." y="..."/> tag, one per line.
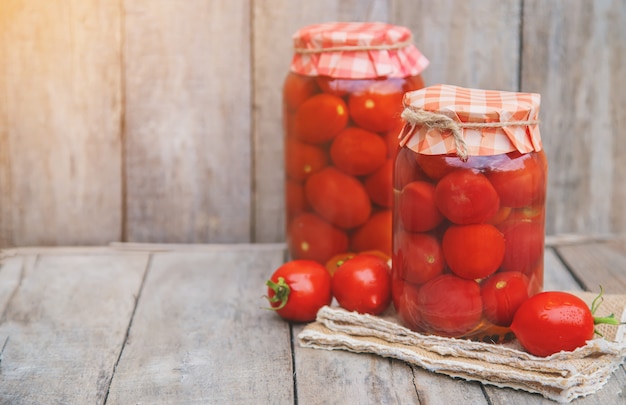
<point x="187" y="121"/>
<point x="66" y="325"/>
<point x="159" y="121"/>
<point x="60" y="120"/>
<point x="574" y="54"/>
<point x="470" y="44"/>
<point x="197" y="333"/>
<point x="200" y="335"/>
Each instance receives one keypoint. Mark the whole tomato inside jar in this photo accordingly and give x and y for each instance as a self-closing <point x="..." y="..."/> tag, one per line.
<point x="342" y="101"/>
<point x="468" y="217"/>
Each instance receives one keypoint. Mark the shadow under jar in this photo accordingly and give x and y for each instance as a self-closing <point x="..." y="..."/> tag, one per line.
<point x="469" y="206"/>
<point x="342" y="101"/>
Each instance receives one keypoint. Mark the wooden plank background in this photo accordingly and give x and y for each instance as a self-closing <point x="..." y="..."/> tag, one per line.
<point x="160" y="121"/>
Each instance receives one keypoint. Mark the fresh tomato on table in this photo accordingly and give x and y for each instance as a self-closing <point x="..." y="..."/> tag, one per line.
<point x="554" y="321"/>
<point x="363" y="284"/>
<point x="298" y="289"/>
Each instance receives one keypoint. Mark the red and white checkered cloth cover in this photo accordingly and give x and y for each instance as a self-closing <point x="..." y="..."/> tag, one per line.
<point x="478" y="106"/>
<point x="316" y="51"/>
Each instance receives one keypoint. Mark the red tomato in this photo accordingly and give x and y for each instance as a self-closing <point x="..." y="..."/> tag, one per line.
<point x="524" y="245"/>
<point x="294" y="199"/>
<point x="437" y="166"/>
<point x="379" y="107"/>
<point x="473" y="251"/>
<point x="363" y="284"/>
<point x="520" y="181"/>
<point x="502" y="294"/>
<point x="375" y="234"/>
<point x="554" y="321"/>
<point x="405" y="300"/>
<point x="297" y="89"/>
<point x="379" y="185"/>
<point x="337" y="260"/>
<point x="422" y="257"/>
<point x="298" y="289"/>
<point x="310" y="237"/>
<point x="466" y="197"/>
<point x="406" y="169"/>
<point x="302" y="160"/>
<point x="338" y="198"/>
<point x="358" y="152"/>
<point x="320" y="118"/>
<point x="416" y="207"/>
<point x="391" y="138"/>
<point x="449" y="305"/>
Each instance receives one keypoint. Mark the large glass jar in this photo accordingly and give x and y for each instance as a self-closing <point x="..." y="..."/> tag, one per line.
<point x="342" y="101"/>
<point x="469" y="192"/>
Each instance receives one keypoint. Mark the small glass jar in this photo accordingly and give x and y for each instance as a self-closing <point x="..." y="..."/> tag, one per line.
<point x="469" y="206"/>
<point x="342" y="101"/>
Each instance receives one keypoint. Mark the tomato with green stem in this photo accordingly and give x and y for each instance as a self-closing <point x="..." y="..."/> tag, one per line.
<point x="555" y="321"/>
<point x="298" y="289"/>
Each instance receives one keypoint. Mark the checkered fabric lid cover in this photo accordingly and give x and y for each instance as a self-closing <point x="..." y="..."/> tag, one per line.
<point x="466" y="106"/>
<point x="356" y="50"/>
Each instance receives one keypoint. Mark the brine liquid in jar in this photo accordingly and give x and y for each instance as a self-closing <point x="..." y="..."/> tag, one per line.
<point x="469" y="211"/>
<point x="342" y="101"/>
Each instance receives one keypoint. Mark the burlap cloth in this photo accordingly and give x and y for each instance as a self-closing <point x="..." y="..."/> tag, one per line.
<point x="561" y="377"/>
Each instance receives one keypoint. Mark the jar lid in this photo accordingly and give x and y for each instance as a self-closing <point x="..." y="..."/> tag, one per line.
<point x="445" y="119"/>
<point x="356" y="50"/>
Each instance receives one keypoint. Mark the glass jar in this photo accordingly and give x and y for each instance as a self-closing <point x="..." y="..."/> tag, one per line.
<point x="342" y="101"/>
<point x="469" y="206"/>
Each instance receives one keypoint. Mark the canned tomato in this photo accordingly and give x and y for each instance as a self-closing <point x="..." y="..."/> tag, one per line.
<point x="469" y="205"/>
<point x="342" y="101"/>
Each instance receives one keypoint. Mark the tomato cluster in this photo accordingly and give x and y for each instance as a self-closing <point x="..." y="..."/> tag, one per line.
<point x="468" y="240"/>
<point x="359" y="282"/>
<point x="341" y="140"/>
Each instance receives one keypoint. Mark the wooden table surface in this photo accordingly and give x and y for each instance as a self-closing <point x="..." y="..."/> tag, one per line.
<point x="184" y="324"/>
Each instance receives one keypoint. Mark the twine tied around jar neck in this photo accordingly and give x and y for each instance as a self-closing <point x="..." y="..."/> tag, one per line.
<point x="415" y="116"/>
<point x="355" y="48"/>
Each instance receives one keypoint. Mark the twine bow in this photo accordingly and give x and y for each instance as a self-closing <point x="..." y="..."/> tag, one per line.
<point x="417" y="117"/>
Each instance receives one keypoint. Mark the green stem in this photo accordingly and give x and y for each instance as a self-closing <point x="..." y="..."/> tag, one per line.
<point x="281" y="293"/>
<point x="599" y="320"/>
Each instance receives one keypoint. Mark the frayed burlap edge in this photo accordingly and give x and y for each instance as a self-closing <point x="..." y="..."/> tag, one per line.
<point x="561" y="377"/>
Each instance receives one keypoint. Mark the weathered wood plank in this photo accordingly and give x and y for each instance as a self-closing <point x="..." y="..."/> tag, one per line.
<point x="10" y="275"/>
<point x="598" y="264"/>
<point x="187" y="121"/>
<point x="470" y="44"/>
<point x="574" y="54"/>
<point x="199" y="334"/>
<point x="66" y="325"/>
<point x="275" y="21"/>
<point x="556" y="276"/>
<point x="60" y="120"/>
